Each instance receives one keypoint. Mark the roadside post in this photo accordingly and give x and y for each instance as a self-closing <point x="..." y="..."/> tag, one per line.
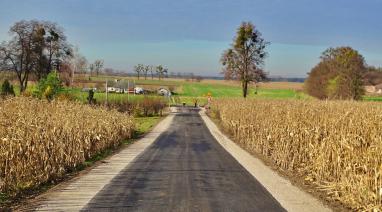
<point x="209" y="99"/>
<point x="128" y="90"/>
<point x="134" y="87"/>
<point x="169" y="99"/>
<point x="107" y="97"/>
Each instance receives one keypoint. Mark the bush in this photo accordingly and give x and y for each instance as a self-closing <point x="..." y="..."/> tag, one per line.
<point x="90" y="98"/>
<point x="48" y="87"/>
<point x="7" y="89"/>
<point x="148" y="106"/>
<point x="152" y="106"/>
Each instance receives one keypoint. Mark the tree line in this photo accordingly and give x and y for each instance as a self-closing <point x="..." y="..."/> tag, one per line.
<point x="146" y="69"/>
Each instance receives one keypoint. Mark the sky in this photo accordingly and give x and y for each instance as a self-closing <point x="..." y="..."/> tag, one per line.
<point x="190" y="35"/>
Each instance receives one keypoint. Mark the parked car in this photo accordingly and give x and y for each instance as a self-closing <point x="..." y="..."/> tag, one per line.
<point x="163" y="92"/>
<point x="111" y="89"/>
<point x="139" y="90"/>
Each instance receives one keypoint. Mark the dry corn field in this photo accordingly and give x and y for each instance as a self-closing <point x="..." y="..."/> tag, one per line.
<point x="40" y="141"/>
<point x="335" y="146"/>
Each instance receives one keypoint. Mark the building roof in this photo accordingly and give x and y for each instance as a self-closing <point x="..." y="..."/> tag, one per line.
<point x="378" y="87"/>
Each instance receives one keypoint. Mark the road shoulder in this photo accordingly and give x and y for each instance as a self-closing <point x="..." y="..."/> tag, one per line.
<point x="289" y="196"/>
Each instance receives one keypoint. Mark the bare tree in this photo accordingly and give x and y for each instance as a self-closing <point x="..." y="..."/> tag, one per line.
<point x="78" y="63"/>
<point x="18" y="54"/>
<point x="152" y="71"/>
<point x="35" y="47"/>
<point x="91" y="68"/>
<point x="50" y="47"/>
<point x="161" y="71"/>
<point x="56" y="47"/>
<point x="244" y="60"/>
<point x="145" y="70"/>
<point x="98" y="65"/>
<point x="138" y="69"/>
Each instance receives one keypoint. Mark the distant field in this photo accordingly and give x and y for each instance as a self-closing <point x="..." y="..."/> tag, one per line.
<point x="219" y="90"/>
<point x="283" y="85"/>
<point x="187" y="91"/>
<point x="373" y="98"/>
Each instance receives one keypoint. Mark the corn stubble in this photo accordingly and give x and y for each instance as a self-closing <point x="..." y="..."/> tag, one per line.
<point x="334" y="145"/>
<point x="40" y="141"/>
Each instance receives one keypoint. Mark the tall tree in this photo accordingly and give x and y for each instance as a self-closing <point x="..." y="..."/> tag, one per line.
<point x="138" y="69"/>
<point x="91" y="68"/>
<point x="158" y="70"/>
<point x="51" y="48"/>
<point x="152" y="71"/>
<point x="78" y="64"/>
<point x="165" y="72"/>
<point x="56" y="47"/>
<point x="35" y="48"/>
<point x="244" y="60"/>
<point x="339" y="75"/>
<point x="161" y="71"/>
<point x="145" y="70"/>
<point x="98" y="65"/>
<point x="18" y="54"/>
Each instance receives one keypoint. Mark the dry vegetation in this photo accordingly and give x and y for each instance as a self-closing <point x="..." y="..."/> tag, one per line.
<point x="298" y="86"/>
<point x="40" y="141"/>
<point x="333" y="145"/>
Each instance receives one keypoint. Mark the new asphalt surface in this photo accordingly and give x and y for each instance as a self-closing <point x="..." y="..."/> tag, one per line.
<point x="185" y="169"/>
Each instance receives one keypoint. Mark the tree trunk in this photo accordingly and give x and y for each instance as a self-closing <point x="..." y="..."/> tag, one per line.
<point x="22" y="88"/>
<point x="245" y="88"/>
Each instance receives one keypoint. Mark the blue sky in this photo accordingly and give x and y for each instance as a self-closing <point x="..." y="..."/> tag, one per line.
<point x="190" y="35"/>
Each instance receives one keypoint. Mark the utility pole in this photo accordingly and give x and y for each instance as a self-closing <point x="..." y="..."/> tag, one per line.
<point x="75" y="67"/>
<point x="128" y="90"/>
<point x="107" y="102"/>
<point x="134" y="87"/>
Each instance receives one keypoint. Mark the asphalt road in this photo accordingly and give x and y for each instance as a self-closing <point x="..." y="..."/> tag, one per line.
<point x="184" y="170"/>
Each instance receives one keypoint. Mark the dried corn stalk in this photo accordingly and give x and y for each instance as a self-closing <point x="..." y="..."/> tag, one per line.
<point x="335" y="145"/>
<point x="40" y="141"/>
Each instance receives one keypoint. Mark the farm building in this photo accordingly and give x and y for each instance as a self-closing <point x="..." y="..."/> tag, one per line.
<point x="376" y="89"/>
<point x="120" y="86"/>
